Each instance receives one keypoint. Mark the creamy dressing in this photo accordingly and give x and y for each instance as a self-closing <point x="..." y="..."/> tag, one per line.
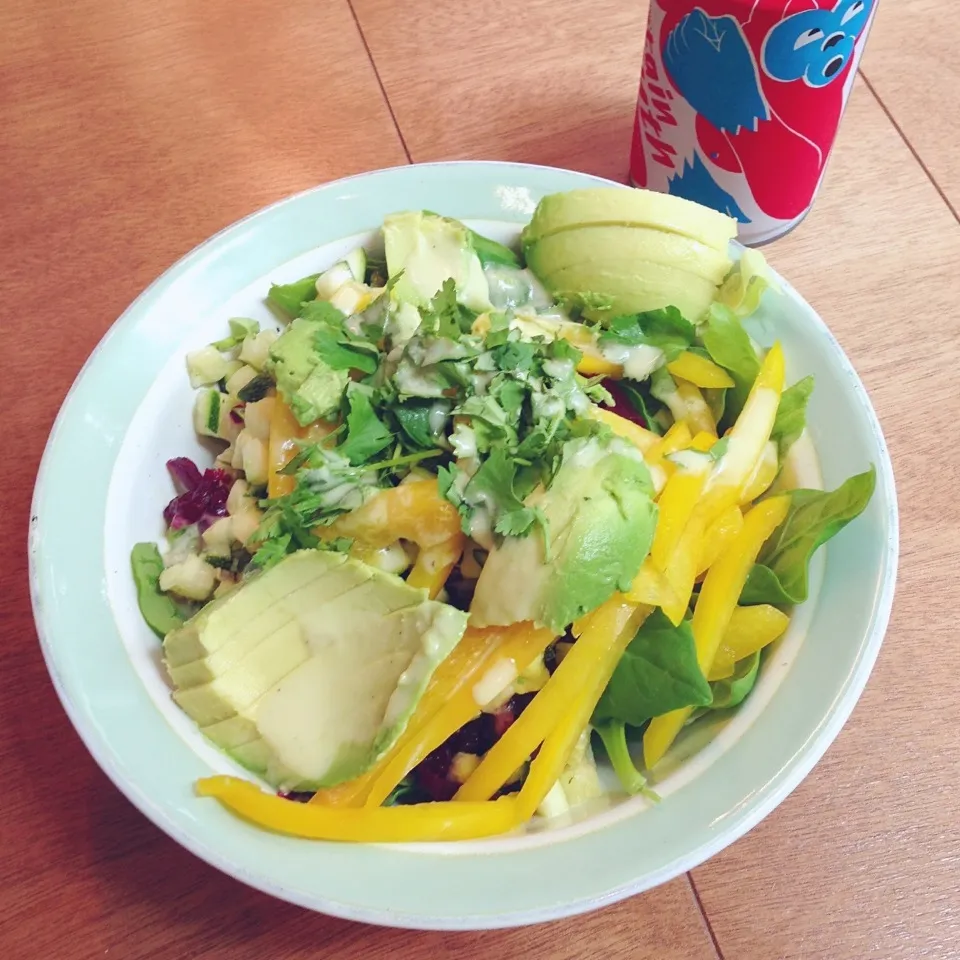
<point x="437" y="417"/>
<point x="638" y="362"/>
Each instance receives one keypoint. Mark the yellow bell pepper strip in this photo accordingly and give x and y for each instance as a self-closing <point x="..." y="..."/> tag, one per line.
<point x="578" y="674"/>
<point x="746" y="439"/>
<point x="674" y="508"/>
<point x="459" y="669"/>
<point x="649" y="587"/>
<point x="750" y="630"/>
<point x="699" y="371"/>
<point x="680" y="571"/>
<point x="517" y="647"/>
<point x="594" y="365"/>
<point x="764" y="473"/>
<point x="678" y="437"/>
<point x="610" y="619"/>
<point x="718" y="599"/>
<point x="640" y="437"/>
<point x="698" y="414"/>
<point x="412" y="511"/>
<point x="719" y="535"/>
<point x="399" y="824"/>
<point x="703" y="441"/>
<point x="286" y="436"/>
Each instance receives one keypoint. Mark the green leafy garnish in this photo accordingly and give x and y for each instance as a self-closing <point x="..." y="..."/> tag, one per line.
<point x="791" y="414"/>
<point x="613" y="734"/>
<point x="290" y="297"/>
<point x="665" y="329"/>
<point x="366" y="435"/>
<point x="444" y="316"/>
<point x="780" y="575"/>
<point x="729" y="346"/>
<point x="657" y="673"/>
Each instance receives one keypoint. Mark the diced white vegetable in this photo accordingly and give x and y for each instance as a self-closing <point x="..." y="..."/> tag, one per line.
<point x="238" y="499"/>
<point x="330" y="281"/>
<point x="352" y="297"/>
<point x="256" y="417"/>
<point x="252" y="454"/>
<point x="356" y="260"/>
<point x="245" y="524"/>
<point x="239" y="379"/>
<point x="184" y="543"/>
<point x="206" y="365"/>
<point x="256" y="349"/>
<point x="218" y="537"/>
<point x="192" y="579"/>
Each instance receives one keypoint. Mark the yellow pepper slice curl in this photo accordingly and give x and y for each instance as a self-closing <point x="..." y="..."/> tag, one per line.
<point x="594" y="365"/>
<point x="286" y="436"/>
<point x="400" y="824"/>
<point x="718" y="599"/>
<point x="750" y="630"/>
<point x="650" y="587"/>
<point x="678" y="437"/>
<point x="516" y="647"/>
<point x="412" y="511"/>
<point x="616" y="623"/>
<point x="457" y="671"/>
<point x="580" y="673"/>
<point x="699" y="371"/>
<point x="764" y="473"/>
<point x="640" y="437"/>
<point x="720" y="534"/>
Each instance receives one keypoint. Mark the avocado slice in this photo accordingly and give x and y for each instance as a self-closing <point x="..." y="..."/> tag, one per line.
<point x="600" y="524"/>
<point x="309" y="671"/>
<point x="311" y="387"/>
<point x="429" y="249"/>
<point x="601" y="244"/>
<point x="629" y="207"/>
<point x="634" y="287"/>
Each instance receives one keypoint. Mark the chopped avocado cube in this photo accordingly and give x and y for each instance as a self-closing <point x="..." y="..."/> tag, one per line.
<point x="600" y="521"/>
<point x="428" y="250"/>
<point x="160" y="612"/>
<point x="311" y="387"/>
<point x="308" y="672"/>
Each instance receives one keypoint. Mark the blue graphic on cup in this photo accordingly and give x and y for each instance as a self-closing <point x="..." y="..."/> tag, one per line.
<point x="694" y="182"/>
<point x="815" y="45"/>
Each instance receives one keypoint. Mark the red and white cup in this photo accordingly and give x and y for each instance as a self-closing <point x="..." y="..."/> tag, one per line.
<point x="740" y="101"/>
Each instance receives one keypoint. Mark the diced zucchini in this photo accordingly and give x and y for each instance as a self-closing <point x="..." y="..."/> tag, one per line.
<point x="192" y="579"/>
<point x="238" y="499"/>
<point x="255" y="349"/>
<point x="356" y="260"/>
<point x="206" y="365"/>
<point x="206" y="412"/>
<point x="330" y="281"/>
<point x="253" y="458"/>
<point x="232" y="367"/>
<point x="239" y="379"/>
<point x="256" y="417"/>
<point x="352" y="297"/>
<point x="243" y="327"/>
<point x="218" y="537"/>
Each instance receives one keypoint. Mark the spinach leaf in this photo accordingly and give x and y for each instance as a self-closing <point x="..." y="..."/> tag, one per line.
<point x="159" y="610"/>
<point x="780" y="575"/>
<point x="643" y="404"/>
<point x="657" y="673"/>
<point x="666" y="329"/>
<point x="791" y="414"/>
<point x="614" y="737"/>
<point x="729" y="346"/>
<point x="290" y="297"/>
<point x="733" y="690"/>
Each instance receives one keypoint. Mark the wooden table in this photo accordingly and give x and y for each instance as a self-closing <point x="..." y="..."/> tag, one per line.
<point x="130" y="132"/>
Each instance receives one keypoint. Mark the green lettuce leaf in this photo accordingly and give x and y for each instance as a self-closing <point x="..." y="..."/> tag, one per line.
<point x="729" y="346"/>
<point x="780" y="575"/>
<point x="290" y="297"/>
<point x="665" y="329"/>
<point x="657" y="673"/>
<point x="791" y="415"/>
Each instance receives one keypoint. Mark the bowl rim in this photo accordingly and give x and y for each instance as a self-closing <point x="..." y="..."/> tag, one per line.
<point x="787" y="780"/>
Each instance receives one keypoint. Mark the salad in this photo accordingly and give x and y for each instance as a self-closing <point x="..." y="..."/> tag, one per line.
<point x="480" y="512"/>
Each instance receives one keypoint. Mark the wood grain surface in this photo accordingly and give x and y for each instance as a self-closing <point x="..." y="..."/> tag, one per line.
<point x="911" y="63"/>
<point x="130" y="133"/>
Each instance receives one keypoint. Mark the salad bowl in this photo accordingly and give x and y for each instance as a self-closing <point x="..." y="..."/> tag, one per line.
<point x="102" y="476"/>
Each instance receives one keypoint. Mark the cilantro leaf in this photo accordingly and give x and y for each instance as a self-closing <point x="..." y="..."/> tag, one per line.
<point x="290" y="297"/>
<point x="444" y="316"/>
<point x="665" y="329"/>
<point x="413" y="416"/>
<point x="367" y="434"/>
<point x="493" y="485"/>
<point x="342" y="354"/>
